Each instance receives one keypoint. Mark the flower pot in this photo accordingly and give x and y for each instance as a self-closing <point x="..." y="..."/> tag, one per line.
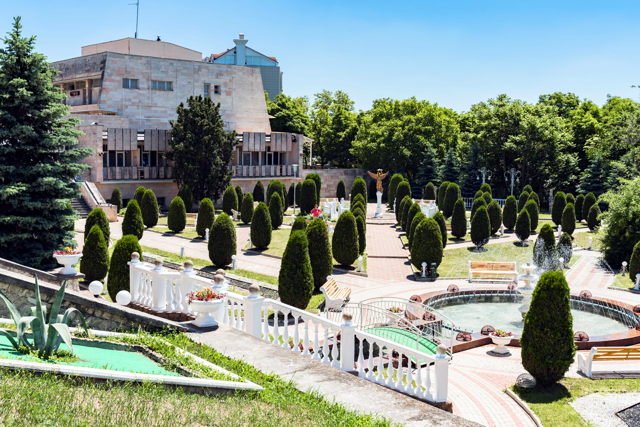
<point x="204" y="309"/>
<point x="501" y="343"/>
<point x="67" y="261"/>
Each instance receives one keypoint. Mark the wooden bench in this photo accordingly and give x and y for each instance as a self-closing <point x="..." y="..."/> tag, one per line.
<point x="489" y="268"/>
<point x="606" y="354"/>
<point x="334" y="296"/>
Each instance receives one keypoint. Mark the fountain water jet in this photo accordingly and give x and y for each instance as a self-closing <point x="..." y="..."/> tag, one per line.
<point x="527" y="289"/>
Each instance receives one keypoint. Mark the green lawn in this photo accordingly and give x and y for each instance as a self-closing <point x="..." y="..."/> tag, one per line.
<point x="163" y="220"/>
<point x="279" y="239"/>
<point x="622" y="282"/>
<point x="582" y="240"/>
<point x="551" y="404"/>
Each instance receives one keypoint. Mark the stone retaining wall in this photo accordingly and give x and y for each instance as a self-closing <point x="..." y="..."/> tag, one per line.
<point x="331" y="177"/>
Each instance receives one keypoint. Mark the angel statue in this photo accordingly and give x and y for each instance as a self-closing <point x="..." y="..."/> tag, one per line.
<point x="379" y="176"/>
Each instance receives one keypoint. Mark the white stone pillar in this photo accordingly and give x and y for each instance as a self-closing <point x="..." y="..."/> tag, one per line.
<point x="441" y="374"/>
<point x="253" y="311"/>
<point x="347" y="342"/>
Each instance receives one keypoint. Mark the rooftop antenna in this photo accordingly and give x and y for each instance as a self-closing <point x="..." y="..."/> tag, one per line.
<point x="137" y="5"/>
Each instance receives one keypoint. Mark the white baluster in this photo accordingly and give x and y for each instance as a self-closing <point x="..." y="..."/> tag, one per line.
<point x="180" y="302"/>
<point x="418" y="390"/>
<point x="231" y="318"/>
<point x="265" y="323"/>
<point x="285" y="335"/>
<point x="409" y="387"/>
<point x="276" y="327"/>
<point x="316" y="338"/>
<point x="427" y="391"/>
<point x="225" y="312"/>
<point x="361" y="358"/>
<point x="169" y="293"/>
<point x="296" y="336"/>
<point x="334" y="350"/>
<point x="305" y="341"/>
<point x="370" y="374"/>
<point x="389" y="380"/>
<point x="399" y="372"/>
<point x="380" y="376"/>
<point x="239" y="322"/>
<point x="325" y="347"/>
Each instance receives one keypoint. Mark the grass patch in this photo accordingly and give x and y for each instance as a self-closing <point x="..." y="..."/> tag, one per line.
<point x="551" y="404"/>
<point x="622" y="282"/>
<point x="582" y="240"/>
<point x="315" y="302"/>
<point x="187" y="232"/>
<point x="279" y="239"/>
<point x="163" y="220"/>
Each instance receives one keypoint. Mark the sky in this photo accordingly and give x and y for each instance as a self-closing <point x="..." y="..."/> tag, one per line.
<point x="454" y="53"/>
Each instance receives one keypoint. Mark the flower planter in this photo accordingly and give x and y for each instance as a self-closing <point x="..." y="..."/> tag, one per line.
<point x="204" y="309"/>
<point x="67" y="261"/>
<point x="501" y="343"/>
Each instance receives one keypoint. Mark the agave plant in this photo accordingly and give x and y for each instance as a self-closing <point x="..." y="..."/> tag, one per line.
<point x="46" y="338"/>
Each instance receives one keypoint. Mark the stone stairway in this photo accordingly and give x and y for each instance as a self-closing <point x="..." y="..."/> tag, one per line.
<point x="80" y="205"/>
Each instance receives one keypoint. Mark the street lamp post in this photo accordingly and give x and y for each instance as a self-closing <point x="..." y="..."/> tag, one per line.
<point x="295" y="183"/>
<point x="486" y="174"/>
<point x="515" y="175"/>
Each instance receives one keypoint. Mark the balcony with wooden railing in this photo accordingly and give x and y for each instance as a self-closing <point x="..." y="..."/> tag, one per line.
<point x="136" y="173"/>
<point x="262" y="171"/>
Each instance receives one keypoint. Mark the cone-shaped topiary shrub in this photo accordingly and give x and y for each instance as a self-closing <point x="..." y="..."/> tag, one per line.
<point x="439" y="218"/>
<point x="357" y="212"/>
<point x="442" y="194"/>
<point x="295" y="281"/>
<point x="478" y="194"/>
<point x="578" y="205"/>
<point x="535" y="198"/>
<point x="345" y="240"/>
<point x="592" y="219"/>
<point x="283" y="197"/>
<point x="301" y="224"/>
<point x="139" y="194"/>
<point x="222" y="241"/>
<point x="487" y="197"/>
<point x="261" y="226"/>
<point x="545" y="255"/>
<point x="450" y="199"/>
<point x="99" y="218"/>
<point x="341" y="191"/>
<point x="559" y="203"/>
<point x="565" y="248"/>
<point x="150" y="209"/>
<point x="116" y="198"/>
<point x="359" y="187"/>
<point x="118" y="268"/>
<point x="495" y="216"/>
<point x="404" y="189"/>
<point x="414" y="224"/>
<point x="634" y="263"/>
<point x="524" y="197"/>
<point x="510" y="213"/>
<point x="95" y="256"/>
<point x="275" y="211"/>
<point x="132" y="223"/>
<point x="548" y="347"/>
<point x="480" y="227"/>
<point x="477" y="203"/>
<point x="358" y="198"/>
<point x="319" y="250"/>
<point x="571" y="199"/>
<point x="362" y="234"/>
<point x="177" y="219"/>
<point x="258" y="192"/>
<point x="532" y="208"/>
<point x="372" y="189"/>
<point x="589" y="200"/>
<point x="240" y="195"/>
<point x="357" y="205"/>
<point x="486" y="188"/>
<point x="187" y="197"/>
<point x="318" y="180"/>
<point x="246" y="211"/>
<point x="459" y="220"/>
<point x="206" y="216"/>
<point x="229" y="200"/>
<point x="427" y="244"/>
<point x="429" y="192"/>
<point x="396" y="179"/>
<point x="298" y="193"/>
<point x="400" y="209"/>
<point x="527" y="188"/>
<point x="273" y="187"/>
<point x="523" y="225"/>
<point x="569" y="219"/>
<point x="413" y="210"/>
<point x="308" y="197"/>
<point x="290" y="193"/>
<point x="405" y="211"/>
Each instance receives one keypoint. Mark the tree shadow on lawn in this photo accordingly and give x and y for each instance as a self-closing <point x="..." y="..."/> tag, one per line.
<point x="541" y="395"/>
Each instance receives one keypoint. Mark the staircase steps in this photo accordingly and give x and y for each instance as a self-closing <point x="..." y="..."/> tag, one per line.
<point x="81" y="206"/>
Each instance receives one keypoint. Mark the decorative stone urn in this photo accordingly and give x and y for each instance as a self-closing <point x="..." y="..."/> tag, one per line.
<point x="205" y="309"/>
<point x="501" y="343"/>
<point x="67" y="261"/>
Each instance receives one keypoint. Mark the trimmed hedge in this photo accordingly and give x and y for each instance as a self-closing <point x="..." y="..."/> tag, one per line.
<point x="116" y="199"/>
<point x="487" y="197"/>
<point x="478" y="194"/>
<point x="132" y="223"/>
<point x="522" y="201"/>
<point x="229" y="200"/>
<point x="532" y="208"/>
<point x="275" y="211"/>
<point x="414" y="224"/>
<point x="442" y="194"/>
<point x="429" y="192"/>
<point x="99" y="218"/>
<point x="477" y="203"/>
<point x="261" y="227"/>
<point x="459" y="220"/>
<point x="358" y="198"/>
<point x="578" y="205"/>
<point x="240" y="195"/>
<point x="480" y="227"/>
<point x="427" y="244"/>
<point x="319" y="250"/>
<point x="569" y="219"/>
<point x="559" y="203"/>
<point x="545" y="254"/>
<point x="206" y="217"/>
<point x="273" y="187"/>
<point x="413" y="210"/>
<point x="318" y="180"/>
<point x="222" y="241"/>
<point x="362" y="234"/>
<point x="150" y="209"/>
<point x="308" y="197"/>
<point x="523" y="225"/>
<point x="298" y="193"/>
<point x="396" y="179"/>
<point x="95" y="256"/>
<point x="290" y="193"/>
<point x="301" y="224"/>
<point x="400" y="209"/>
<point x="258" y="192"/>
<point x="341" y="191"/>
<point x="177" y="218"/>
<point x="404" y="189"/>
<point x="295" y="281"/>
<point x="634" y="263"/>
<point x="359" y="187"/>
<point x="246" y="211"/>
<point x="357" y="205"/>
<point x="118" y="268"/>
<point x="486" y="188"/>
<point x="535" y="198"/>
<point x="187" y="197"/>
<point x="589" y="200"/>
<point x="345" y="240"/>
<point x="592" y="219"/>
<point x="571" y="199"/>
<point x="527" y="188"/>
<point x="510" y="213"/>
<point x="406" y="205"/>
<point x="439" y="218"/>
<point x="138" y="195"/>
<point x="565" y="247"/>
<point x="450" y="199"/>
<point x="548" y="347"/>
<point x="284" y="197"/>
<point x="495" y="216"/>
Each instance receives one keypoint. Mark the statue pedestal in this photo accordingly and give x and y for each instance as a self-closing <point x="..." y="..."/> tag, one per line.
<point x="379" y="207"/>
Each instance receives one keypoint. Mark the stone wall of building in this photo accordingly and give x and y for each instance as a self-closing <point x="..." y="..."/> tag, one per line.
<point x="331" y="177"/>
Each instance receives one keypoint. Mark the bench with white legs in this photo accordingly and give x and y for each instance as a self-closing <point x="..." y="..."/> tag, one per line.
<point x="334" y="296"/>
<point x="606" y="354"/>
<point x="492" y="270"/>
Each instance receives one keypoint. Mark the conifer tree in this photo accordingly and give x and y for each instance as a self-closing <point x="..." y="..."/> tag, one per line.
<point x="413" y="211"/>
<point x="480" y="227"/>
<point x="569" y="219"/>
<point x="578" y="206"/>
<point x="258" y="192"/>
<point x="476" y="204"/>
<point x="528" y="189"/>
<point x="222" y="241"/>
<point x="495" y="216"/>
<point x="545" y="254"/>
<point x="150" y="209"/>
<point x="592" y="218"/>
<point x="450" y="199"/>
<point x="319" y="249"/>
<point x="139" y="194"/>
<point x="116" y="199"/>
<point x="132" y="223"/>
<point x="230" y="201"/>
<point x="450" y="171"/>
<point x="38" y="160"/>
<point x="442" y="194"/>
<point x="534" y="214"/>
<point x="246" y="210"/>
<point x="318" y="180"/>
<point x="439" y="218"/>
<point x="95" y="256"/>
<point x="240" y="195"/>
<point x="403" y="190"/>
<point x="522" y="201"/>
<point x="429" y="192"/>
<point x="414" y="224"/>
<point x="177" y="218"/>
<point x="396" y="179"/>
<point x="261" y="227"/>
<point x="559" y="203"/>
<point x="427" y="244"/>
<point x="459" y="220"/>
<point x="428" y="170"/>
<point x="206" y="216"/>
<point x="97" y="217"/>
<point x="486" y="188"/>
<point x="275" y="211"/>
<point x="523" y="225"/>
<point x="589" y="200"/>
<point x="295" y="280"/>
<point x="187" y="198"/>
<point x="594" y="177"/>
<point x="468" y="179"/>
<point x="510" y="213"/>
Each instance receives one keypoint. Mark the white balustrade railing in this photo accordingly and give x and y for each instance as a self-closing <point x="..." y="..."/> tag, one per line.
<point x="339" y="345"/>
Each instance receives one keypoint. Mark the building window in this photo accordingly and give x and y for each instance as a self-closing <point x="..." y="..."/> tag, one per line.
<point x="207" y="90"/>
<point x="130" y="83"/>
<point x="158" y="85"/>
<point x="217" y="90"/>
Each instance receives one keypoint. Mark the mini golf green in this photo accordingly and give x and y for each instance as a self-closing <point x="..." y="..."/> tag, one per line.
<point x="96" y="354"/>
<point x="404" y="337"/>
